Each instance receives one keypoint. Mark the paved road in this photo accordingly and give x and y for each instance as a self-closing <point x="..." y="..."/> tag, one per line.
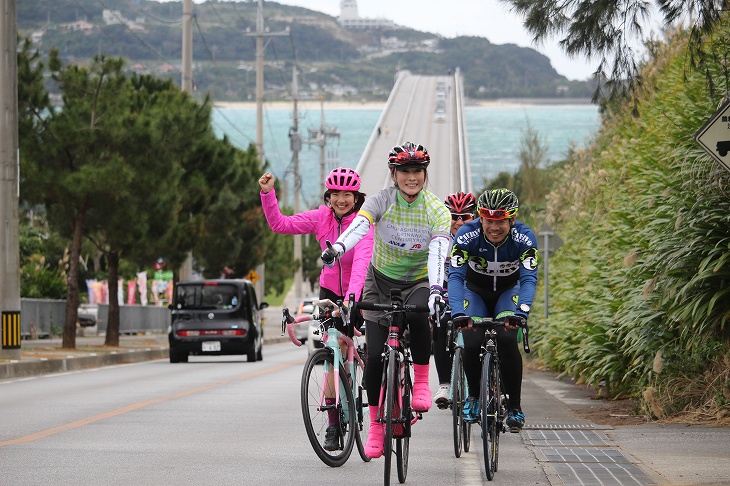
<point x="558" y="446"/>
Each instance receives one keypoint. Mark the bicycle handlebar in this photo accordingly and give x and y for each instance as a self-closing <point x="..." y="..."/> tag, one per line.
<point x="490" y="323"/>
<point x="329" y="310"/>
<point x="393" y="307"/>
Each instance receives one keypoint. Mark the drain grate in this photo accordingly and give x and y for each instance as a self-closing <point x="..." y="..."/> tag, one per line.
<point x="568" y="438"/>
<point x="566" y="427"/>
<point x="601" y="474"/>
<point x="584" y="454"/>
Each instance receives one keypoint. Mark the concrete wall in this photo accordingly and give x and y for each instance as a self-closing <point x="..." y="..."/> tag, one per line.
<point x="38" y="315"/>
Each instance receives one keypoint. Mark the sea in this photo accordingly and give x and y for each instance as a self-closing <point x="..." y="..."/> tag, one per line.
<point x="494" y="133"/>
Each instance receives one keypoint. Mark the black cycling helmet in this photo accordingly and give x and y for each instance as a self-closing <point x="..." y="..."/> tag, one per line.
<point x="497" y="204"/>
<point x="407" y="156"/>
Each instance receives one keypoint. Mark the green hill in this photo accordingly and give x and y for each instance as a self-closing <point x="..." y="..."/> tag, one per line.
<point x="342" y="63"/>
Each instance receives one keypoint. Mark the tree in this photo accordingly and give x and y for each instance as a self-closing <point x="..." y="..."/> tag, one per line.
<point x="233" y="226"/>
<point x="608" y="30"/>
<point x="533" y="159"/>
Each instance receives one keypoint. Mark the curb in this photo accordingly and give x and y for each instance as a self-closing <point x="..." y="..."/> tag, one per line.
<point x="21" y="369"/>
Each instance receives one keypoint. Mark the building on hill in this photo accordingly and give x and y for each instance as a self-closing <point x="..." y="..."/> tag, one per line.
<point x="350" y="19"/>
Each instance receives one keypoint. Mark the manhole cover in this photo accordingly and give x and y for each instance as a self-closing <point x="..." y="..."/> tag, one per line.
<point x="601" y="474"/>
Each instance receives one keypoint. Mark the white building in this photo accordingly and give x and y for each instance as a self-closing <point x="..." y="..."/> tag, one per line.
<point x="350" y="19"/>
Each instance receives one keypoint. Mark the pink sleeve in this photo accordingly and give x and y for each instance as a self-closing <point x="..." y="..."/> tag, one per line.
<point x="362" y="254"/>
<point x="298" y="224"/>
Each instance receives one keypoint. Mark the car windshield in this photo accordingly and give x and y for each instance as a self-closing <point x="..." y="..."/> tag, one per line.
<point x="206" y="297"/>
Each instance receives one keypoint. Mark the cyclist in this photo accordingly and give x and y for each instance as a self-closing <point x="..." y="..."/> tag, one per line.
<point x="494" y="274"/>
<point x="411" y="243"/>
<point x="462" y="206"/>
<point x="342" y="200"/>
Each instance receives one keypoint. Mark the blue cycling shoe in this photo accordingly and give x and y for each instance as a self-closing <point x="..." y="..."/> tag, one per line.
<point x="471" y="409"/>
<point x="515" y="420"/>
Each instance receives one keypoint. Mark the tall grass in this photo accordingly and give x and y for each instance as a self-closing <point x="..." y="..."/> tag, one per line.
<point x="645" y="268"/>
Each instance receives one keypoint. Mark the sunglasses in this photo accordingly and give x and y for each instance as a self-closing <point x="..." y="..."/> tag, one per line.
<point x="494" y="213"/>
<point x="463" y="217"/>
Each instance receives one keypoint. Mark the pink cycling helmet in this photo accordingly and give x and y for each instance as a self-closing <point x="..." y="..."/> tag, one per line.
<point x="343" y="179"/>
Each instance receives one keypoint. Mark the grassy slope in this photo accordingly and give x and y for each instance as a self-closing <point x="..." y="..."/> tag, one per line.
<point x="639" y="293"/>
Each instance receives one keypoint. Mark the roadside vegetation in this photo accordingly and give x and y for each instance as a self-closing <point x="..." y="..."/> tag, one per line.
<point x="640" y="289"/>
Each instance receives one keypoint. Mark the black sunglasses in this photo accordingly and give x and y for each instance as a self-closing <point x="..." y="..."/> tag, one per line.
<point x="463" y="217"/>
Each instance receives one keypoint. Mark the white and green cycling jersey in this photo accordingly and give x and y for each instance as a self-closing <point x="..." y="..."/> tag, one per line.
<point x="409" y="237"/>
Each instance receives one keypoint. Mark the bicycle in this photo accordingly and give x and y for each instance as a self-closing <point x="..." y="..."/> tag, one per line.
<point x="319" y="395"/>
<point x="492" y="402"/>
<point x="394" y="402"/>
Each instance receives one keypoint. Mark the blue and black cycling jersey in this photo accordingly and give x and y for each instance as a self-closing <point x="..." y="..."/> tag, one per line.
<point x="490" y="269"/>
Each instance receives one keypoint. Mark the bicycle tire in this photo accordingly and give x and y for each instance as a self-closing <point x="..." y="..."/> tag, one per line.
<point x="391" y="408"/>
<point x="457" y="401"/>
<point x="315" y="419"/>
<point x="362" y="413"/>
<point x="403" y="443"/>
<point x="499" y="410"/>
<point x="488" y="404"/>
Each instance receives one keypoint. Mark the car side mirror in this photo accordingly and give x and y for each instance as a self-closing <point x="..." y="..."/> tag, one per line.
<point x="263" y="305"/>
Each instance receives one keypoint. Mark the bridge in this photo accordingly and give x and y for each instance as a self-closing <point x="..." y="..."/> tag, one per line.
<point x="428" y="110"/>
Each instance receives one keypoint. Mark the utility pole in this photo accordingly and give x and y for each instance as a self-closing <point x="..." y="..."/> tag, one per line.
<point x="319" y="137"/>
<point x="260" y="34"/>
<point x="186" y="270"/>
<point x="296" y="146"/>
<point x="9" y="185"/>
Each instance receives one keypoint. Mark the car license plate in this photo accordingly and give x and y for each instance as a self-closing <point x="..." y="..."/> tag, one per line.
<point x="211" y="346"/>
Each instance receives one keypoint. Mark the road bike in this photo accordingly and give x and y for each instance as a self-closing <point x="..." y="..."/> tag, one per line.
<point x="492" y="402"/>
<point x="341" y="362"/>
<point x="394" y="402"/>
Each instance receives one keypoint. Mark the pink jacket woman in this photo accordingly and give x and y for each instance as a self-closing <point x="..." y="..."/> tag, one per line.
<point x="342" y="201"/>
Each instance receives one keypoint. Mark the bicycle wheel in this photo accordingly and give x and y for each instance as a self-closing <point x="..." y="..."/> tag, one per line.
<point x="500" y="409"/>
<point x="362" y="413"/>
<point x="402" y="445"/>
<point x="489" y="403"/>
<point x="315" y="414"/>
<point x="391" y="411"/>
<point x="457" y="400"/>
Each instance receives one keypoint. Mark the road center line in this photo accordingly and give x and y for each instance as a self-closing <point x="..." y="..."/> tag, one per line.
<point x="136" y="406"/>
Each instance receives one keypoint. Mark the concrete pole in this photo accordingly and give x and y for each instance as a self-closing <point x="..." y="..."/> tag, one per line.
<point x="186" y="270"/>
<point x="296" y="147"/>
<point x="9" y="185"/>
<point x="260" y="34"/>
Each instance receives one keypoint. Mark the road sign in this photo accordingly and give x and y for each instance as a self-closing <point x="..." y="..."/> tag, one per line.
<point x="551" y="243"/>
<point x="252" y="276"/>
<point x="714" y="136"/>
<point x="552" y="240"/>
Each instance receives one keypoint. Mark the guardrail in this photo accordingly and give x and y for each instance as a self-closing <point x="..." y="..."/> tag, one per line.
<point x="39" y="316"/>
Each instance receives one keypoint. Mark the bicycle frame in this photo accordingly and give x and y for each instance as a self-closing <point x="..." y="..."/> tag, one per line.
<point x="335" y="394"/>
<point x="394" y="408"/>
<point x="491" y="397"/>
<point x="331" y="338"/>
<point x="458" y="342"/>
